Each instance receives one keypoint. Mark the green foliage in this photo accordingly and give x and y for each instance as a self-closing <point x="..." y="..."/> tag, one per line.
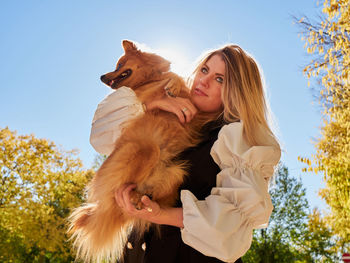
<point x="328" y="42"/>
<point x="39" y="186"/>
<point x="98" y="161"/>
<point x="292" y="232"/>
<point x="320" y="241"/>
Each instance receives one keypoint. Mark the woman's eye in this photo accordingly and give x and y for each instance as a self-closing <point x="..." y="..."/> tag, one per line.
<point x="220" y="79"/>
<point x="204" y="70"/>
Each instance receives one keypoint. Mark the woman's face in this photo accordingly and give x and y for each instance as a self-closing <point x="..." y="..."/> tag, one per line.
<point x="206" y="88"/>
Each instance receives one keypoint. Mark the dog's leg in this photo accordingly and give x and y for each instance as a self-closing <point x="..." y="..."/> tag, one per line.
<point x="161" y="176"/>
<point x="164" y="182"/>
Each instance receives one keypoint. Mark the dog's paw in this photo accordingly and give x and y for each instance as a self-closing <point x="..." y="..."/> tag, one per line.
<point x="135" y="198"/>
<point x="174" y="86"/>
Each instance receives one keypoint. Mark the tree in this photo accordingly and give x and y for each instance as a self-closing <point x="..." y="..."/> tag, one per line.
<point x="39" y="186"/>
<point x="287" y="223"/>
<point x="320" y="241"/>
<point x="290" y="237"/>
<point x="98" y="161"/>
<point x="328" y="43"/>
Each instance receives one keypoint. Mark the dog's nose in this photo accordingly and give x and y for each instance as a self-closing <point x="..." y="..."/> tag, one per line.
<point x="103" y="78"/>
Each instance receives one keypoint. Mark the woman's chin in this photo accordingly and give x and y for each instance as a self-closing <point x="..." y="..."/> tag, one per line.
<point x="198" y="102"/>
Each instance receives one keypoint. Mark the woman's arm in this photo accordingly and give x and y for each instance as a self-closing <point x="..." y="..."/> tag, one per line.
<point x="222" y="225"/>
<point x="112" y="112"/>
<point x="123" y="105"/>
<point x="151" y="211"/>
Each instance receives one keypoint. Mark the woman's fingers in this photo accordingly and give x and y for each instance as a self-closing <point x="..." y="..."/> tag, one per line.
<point x="190" y="106"/>
<point x="181" y="107"/>
<point x="147" y="202"/>
<point x="120" y="196"/>
<point x="180" y="115"/>
<point x="174" y="105"/>
<point x="150" y="206"/>
<point x="188" y="113"/>
<point x="117" y="199"/>
<point x="187" y="108"/>
<point x="151" y="209"/>
<point x="126" y="196"/>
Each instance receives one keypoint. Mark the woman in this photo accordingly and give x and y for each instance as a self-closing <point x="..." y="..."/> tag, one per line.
<point x="225" y="195"/>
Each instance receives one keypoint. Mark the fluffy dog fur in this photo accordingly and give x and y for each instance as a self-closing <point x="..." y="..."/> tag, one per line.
<point x="144" y="154"/>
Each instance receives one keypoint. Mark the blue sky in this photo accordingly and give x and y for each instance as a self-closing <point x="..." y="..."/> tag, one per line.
<point x="52" y="54"/>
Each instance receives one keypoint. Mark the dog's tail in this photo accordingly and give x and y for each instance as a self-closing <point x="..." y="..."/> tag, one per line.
<point x="99" y="228"/>
<point x="98" y="234"/>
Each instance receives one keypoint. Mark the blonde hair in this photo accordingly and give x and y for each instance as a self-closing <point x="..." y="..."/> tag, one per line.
<point x="243" y="95"/>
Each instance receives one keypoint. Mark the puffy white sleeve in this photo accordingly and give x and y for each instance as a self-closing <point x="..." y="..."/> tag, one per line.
<point x="222" y="225"/>
<point x="119" y="106"/>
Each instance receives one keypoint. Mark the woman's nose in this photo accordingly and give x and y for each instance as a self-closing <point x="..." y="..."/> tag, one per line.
<point x="204" y="81"/>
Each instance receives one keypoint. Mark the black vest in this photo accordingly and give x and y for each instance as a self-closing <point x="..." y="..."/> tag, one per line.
<point x="168" y="247"/>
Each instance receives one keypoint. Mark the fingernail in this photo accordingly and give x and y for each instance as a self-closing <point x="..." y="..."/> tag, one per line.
<point x="144" y="198"/>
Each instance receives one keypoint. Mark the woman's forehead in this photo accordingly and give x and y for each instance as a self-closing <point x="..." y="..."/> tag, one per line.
<point x="216" y="63"/>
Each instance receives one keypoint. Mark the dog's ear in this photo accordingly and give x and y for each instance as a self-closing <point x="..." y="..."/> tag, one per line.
<point x="164" y="65"/>
<point x="129" y="46"/>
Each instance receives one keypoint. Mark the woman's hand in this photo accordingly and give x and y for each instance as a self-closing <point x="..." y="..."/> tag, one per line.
<point x="151" y="212"/>
<point x="181" y="107"/>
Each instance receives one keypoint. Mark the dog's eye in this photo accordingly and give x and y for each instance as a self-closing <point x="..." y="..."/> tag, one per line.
<point x="119" y="66"/>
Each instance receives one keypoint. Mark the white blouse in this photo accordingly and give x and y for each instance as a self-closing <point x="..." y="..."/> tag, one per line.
<point x="222" y="225"/>
<point x="118" y="107"/>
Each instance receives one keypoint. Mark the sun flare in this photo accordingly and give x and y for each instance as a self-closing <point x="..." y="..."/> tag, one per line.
<point x="180" y="64"/>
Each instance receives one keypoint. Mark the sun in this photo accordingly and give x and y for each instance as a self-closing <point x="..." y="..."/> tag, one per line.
<point x="180" y="64"/>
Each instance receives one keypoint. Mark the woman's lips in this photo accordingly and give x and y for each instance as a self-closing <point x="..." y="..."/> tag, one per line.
<point x="199" y="92"/>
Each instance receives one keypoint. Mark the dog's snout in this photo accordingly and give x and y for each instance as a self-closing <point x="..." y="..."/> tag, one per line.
<point x="103" y="78"/>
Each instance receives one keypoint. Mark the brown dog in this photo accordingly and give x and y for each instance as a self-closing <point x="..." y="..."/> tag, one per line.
<point x="144" y="154"/>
